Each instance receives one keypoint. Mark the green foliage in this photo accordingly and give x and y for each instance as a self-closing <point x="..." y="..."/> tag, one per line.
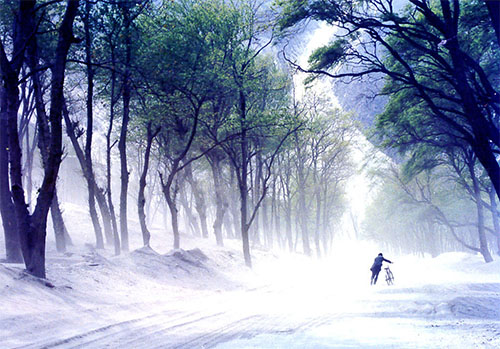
<point x="328" y="56"/>
<point x="292" y="12"/>
<point x="407" y="124"/>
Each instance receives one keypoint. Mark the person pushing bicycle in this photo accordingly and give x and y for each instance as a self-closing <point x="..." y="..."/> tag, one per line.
<point x="376" y="267"/>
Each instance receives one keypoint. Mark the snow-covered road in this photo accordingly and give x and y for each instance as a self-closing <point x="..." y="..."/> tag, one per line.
<point x="390" y="320"/>
<point x="99" y="302"/>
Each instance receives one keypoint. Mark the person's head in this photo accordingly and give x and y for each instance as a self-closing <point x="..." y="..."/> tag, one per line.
<point x="380" y="254"/>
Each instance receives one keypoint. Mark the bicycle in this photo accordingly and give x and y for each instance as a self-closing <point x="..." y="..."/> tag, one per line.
<point x="389" y="276"/>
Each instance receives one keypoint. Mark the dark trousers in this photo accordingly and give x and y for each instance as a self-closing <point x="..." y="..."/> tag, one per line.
<point x="375" y="272"/>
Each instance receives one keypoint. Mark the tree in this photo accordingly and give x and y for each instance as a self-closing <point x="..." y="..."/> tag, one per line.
<point x="261" y="131"/>
<point x="443" y="42"/>
<point x="125" y="7"/>
<point x="186" y="68"/>
<point x="109" y="23"/>
<point x="320" y="162"/>
<point x="141" y="199"/>
<point x="428" y="212"/>
<point x="32" y="227"/>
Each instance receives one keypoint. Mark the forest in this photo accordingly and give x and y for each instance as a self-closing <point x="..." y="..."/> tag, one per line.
<point x="189" y="113"/>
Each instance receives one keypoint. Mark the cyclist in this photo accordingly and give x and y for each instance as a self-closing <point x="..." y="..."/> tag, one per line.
<point x="377" y="265"/>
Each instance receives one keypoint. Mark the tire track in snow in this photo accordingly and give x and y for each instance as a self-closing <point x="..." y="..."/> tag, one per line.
<point x="106" y="334"/>
<point x="233" y="330"/>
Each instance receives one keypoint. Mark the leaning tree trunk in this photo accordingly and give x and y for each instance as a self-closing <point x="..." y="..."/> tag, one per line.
<point x="141" y="200"/>
<point x="60" y="230"/>
<point x="89" y="178"/>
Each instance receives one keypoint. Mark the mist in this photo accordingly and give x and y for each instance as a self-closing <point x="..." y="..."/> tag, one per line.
<point x="194" y="174"/>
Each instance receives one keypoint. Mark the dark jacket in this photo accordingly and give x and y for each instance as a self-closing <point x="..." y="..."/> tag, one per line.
<point x="377" y="263"/>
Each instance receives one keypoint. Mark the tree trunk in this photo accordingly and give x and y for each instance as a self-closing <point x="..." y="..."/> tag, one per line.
<point x="483" y="243"/>
<point x="58" y="223"/>
<point x="199" y="198"/>
<point x="32" y="228"/>
<point x="266" y="227"/>
<point x="12" y="244"/>
<point x="303" y="212"/>
<point x="234" y="218"/>
<point x="494" y="216"/>
<point x="275" y="214"/>
<point x="287" y="208"/>
<point x="172" y="205"/>
<point x="9" y="70"/>
<point x="255" y="197"/>
<point x="327" y="232"/>
<point x="122" y="144"/>
<point x="191" y="219"/>
<point x="89" y="178"/>
<point x="214" y="159"/>
<point x="109" y="146"/>
<point x="243" y="183"/>
<point x="317" y="194"/>
<point x="244" y="227"/>
<point x="30" y="156"/>
<point x="94" y="191"/>
<point x="141" y="200"/>
<point x="105" y="214"/>
<point x="30" y="144"/>
<point x="43" y="144"/>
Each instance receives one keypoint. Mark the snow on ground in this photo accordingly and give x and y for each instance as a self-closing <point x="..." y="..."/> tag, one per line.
<point x="203" y="296"/>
